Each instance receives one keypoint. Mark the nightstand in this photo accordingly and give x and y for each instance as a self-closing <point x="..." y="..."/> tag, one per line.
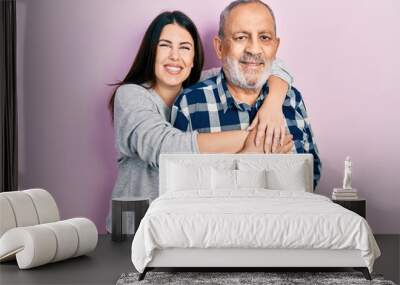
<point x="138" y="205"/>
<point x="358" y="206"/>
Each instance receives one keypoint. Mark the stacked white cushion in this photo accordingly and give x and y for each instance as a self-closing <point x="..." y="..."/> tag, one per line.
<point x="32" y="246"/>
<point x="31" y="232"/>
<point x="7" y="218"/>
<point x="66" y="236"/>
<point x="292" y="178"/>
<point x="189" y="174"/>
<point x="282" y="174"/>
<point x="27" y="208"/>
<point x="188" y="178"/>
<point x="45" y="205"/>
<point x="23" y="208"/>
<point x="251" y="178"/>
<point x="87" y="235"/>
<point x="223" y="179"/>
<point x="226" y="179"/>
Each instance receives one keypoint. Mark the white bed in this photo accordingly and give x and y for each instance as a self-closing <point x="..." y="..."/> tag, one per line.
<point x="201" y="219"/>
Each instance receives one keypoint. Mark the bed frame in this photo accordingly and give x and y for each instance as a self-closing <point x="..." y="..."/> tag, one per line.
<point x="246" y="259"/>
<point x="242" y="259"/>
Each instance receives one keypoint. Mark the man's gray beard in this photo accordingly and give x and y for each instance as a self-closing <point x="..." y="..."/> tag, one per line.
<point x="235" y="76"/>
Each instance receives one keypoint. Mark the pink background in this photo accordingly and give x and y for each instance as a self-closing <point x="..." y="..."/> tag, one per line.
<point x="343" y="54"/>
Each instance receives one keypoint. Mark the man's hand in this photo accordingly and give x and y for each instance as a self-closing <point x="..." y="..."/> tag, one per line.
<point x="270" y="125"/>
<point x="287" y="145"/>
<point x="250" y="146"/>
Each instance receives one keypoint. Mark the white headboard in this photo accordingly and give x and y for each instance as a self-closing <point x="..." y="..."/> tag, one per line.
<point x="210" y="159"/>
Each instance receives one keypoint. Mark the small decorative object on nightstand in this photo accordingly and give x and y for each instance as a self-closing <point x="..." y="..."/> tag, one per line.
<point x="347" y="196"/>
<point x="138" y="205"/>
<point x="358" y="206"/>
<point x="346" y="192"/>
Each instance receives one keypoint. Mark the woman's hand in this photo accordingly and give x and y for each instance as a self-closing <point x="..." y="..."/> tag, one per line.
<point x="270" y="125"/>
<point x="270" y="121"/>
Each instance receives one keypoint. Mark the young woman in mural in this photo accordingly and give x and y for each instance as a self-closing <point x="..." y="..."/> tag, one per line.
<point x="170" y="58"/>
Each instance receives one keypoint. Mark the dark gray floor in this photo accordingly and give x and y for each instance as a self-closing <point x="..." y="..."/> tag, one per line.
<point x="110" y="260"/>
<point x="389" y="262"/>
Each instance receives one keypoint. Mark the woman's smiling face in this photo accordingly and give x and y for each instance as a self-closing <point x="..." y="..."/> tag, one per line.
<point x="174" y="58"/>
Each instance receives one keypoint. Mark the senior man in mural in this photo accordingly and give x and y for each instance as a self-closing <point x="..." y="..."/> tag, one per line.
<point x="246" y="45"/>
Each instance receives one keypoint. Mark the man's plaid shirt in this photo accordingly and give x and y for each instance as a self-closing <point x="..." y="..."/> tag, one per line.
<point x="209" y="107"/>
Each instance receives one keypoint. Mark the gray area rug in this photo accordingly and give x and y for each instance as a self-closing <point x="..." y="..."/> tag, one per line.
<point x="243" y="278"/>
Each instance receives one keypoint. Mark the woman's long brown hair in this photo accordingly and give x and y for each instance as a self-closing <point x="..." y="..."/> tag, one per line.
<point x="142" y="69"/>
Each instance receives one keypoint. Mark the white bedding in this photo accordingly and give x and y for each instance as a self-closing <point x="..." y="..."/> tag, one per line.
<point x="251" y="218"/>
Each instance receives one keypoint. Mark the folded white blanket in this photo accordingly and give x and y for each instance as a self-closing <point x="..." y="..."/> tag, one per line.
<point x="253" y="218"/>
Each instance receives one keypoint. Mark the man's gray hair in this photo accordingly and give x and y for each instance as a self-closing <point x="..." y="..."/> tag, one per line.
<point x="229" y="8"/>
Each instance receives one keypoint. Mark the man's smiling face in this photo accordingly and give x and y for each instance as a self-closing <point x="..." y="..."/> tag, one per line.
<point x="249" y="45"/>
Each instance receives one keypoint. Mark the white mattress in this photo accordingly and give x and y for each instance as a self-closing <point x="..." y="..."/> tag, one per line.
<point x="252" y="218"/>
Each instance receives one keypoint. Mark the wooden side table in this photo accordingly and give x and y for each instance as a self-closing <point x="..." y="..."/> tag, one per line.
<point x="138" y="205"/>
<point x="358" y="206"/>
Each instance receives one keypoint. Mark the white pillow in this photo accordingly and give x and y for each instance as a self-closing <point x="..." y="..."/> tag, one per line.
<point x="282" y="174"/>
<point x="251" y="178"/>
<point x="228" y="179"/>
<point x="223" y="179"/>
<point x="182" y="177"/>
<point x="288" y="179"/>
